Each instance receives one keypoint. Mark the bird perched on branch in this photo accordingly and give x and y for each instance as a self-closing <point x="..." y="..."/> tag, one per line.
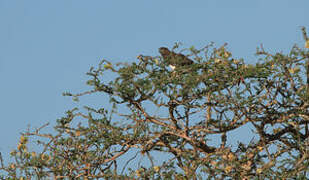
<point x="174" y="59"/>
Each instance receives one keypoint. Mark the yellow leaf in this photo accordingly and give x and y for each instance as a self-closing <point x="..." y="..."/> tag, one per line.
<point x="236" y="61"/>
<point x="23" y="140"/>
<point x="77" y="133"/>
<point x="291" y="71"/>
<point x="45" y="157"/>
<point x="108" y="66"/>
<point x="12" y="166"/>
<point x="231" y="156"/>
<point x="20" y="146"/>
<point x="292" y="123"/>
<point x="276" y="130"/>
<point x="139" y="57"/>
<point x="13" y="153"/>
<point x="156" y="168"/>
<point x="138" y="173"/>
<point x="250" y="155"/>
<point x="294" y="70"/>
<point x="217" y="60"/>
<point x="260" y="148"/>
<point x="247" y="166"/>
<point x="33" y="154"/>
<point x="259" y="170"/>
<point x="228" y="169"/>
<point x="156" y="61"/>
<point x="227" y="54"/>
<point x="307" y="44"/>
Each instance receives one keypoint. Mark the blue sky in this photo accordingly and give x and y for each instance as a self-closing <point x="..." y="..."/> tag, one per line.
<point x="46" y="47"/>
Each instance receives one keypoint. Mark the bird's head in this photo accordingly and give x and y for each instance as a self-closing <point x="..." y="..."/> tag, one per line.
<point x="164" y="51"/>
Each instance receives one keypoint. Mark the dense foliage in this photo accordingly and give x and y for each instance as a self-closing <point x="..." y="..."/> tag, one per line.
<point x="169" y="119"/>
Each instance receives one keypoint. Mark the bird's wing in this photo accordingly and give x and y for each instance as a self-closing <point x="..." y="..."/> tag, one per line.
<point x="183" y="60"/>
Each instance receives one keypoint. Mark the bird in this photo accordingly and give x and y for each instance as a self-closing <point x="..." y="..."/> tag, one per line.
<point x="174" y="59"/>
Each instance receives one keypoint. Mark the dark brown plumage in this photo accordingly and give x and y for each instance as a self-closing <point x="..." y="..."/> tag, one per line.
<point x="174" y="59"/>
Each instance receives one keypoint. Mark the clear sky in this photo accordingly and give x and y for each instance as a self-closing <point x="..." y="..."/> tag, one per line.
<point x="46" y="47"/>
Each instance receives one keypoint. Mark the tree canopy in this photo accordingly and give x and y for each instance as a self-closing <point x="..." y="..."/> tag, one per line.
<point x="180" y="122"/>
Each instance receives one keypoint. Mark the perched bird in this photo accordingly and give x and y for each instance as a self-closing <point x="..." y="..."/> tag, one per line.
<point x="174" y="59"/>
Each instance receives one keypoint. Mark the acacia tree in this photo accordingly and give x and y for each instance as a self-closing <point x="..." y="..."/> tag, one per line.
<point x="170" y="117"/>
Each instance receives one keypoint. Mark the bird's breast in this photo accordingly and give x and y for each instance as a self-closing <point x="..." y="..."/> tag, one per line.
<point x="172" y="67"/>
